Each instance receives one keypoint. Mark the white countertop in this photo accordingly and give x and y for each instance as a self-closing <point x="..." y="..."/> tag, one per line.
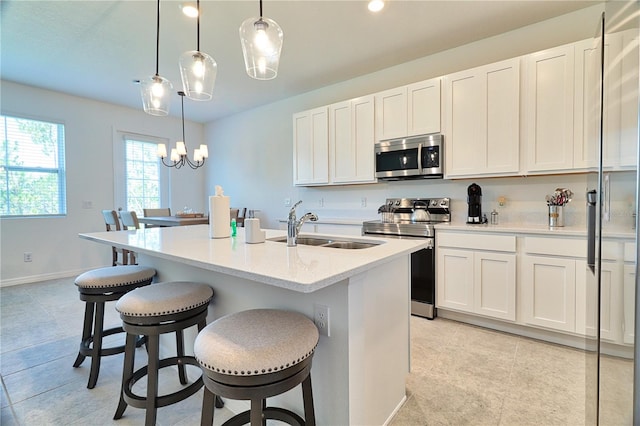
<point x="303" y="268"/>
<point x="519" y="228"/>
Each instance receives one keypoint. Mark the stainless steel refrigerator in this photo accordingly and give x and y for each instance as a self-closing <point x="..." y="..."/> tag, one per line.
<point x="612" y="382"/>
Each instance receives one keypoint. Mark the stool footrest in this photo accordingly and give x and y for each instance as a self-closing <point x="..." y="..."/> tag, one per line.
<point x="269" y="413"/>
<point x="163" y="400"/>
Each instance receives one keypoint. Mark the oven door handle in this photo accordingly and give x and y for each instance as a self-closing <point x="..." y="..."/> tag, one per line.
<point x="420" y="158"/>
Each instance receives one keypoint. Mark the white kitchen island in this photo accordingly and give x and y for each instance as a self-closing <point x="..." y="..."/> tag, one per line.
<point x="359" y="371"/>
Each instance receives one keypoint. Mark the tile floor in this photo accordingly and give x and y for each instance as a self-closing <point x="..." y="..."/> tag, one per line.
<point x="461" y="374"/>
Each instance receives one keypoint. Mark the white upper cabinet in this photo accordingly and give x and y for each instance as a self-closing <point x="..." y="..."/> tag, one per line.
<point x="351" y="139"/>
<point x="548" y="109"/>
<point x="408" y="110"/>
<point x="423" y="107"/>
<point x="482" y="126"/>
<point x="311" y="147"/>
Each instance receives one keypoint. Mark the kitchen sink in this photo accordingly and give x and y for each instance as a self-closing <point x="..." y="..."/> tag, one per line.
<point x="329" y="242"/>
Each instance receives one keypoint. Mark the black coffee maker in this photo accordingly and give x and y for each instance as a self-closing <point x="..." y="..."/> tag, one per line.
<point x="474" y="200"/>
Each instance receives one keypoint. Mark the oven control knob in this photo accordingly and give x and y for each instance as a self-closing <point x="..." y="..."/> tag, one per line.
<point x="397" y="202"/>
<point x="433" y="203"/>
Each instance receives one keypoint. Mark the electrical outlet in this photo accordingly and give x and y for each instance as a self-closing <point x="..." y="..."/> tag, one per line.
<point x="321" y="318"/>
<point x="321" y="202"/>
<point x="287" y="202"/>
<point x="363" y="202"/>
<point x="28" y="256"/>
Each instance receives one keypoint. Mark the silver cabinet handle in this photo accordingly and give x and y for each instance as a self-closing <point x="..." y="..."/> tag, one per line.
<point x="591" y="229"/>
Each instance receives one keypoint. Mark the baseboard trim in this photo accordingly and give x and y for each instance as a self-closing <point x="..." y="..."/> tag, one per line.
<point x="45" y="277"/>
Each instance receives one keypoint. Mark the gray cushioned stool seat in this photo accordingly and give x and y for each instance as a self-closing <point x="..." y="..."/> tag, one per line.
<point x="114" y="276"/>
<point x="164" y="299"/>
<point x="97" y="287"/>
<point x="256" y="354"/>
<point x="151" y="311"/>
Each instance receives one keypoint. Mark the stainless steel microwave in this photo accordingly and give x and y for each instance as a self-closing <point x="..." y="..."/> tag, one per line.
<point x="417" y="157"/>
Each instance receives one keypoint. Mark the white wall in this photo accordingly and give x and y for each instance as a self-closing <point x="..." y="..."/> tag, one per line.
<point x="253" y="150"/>
<point x="89" y="133"/>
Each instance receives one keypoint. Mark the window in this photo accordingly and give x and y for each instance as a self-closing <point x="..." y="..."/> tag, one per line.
<point x="32" y="168"/>
<point x="142" y="171"/>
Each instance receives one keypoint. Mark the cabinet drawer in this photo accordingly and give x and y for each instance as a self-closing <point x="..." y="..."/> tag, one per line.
<point x="473" y="241"/>
<point x="556" y="246"/>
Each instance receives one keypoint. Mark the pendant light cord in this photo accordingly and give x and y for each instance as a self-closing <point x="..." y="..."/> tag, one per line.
<point x="182" y="100"/>
<point x="261" y="8"/>
<point x="158" y="39"/>
<point x="198" y="25"/>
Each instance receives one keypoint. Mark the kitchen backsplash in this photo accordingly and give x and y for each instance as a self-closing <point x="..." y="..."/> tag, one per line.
<point x="524" y="198"/>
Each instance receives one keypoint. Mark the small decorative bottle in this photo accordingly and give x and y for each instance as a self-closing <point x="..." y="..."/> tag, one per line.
<point x="234" y="229"/>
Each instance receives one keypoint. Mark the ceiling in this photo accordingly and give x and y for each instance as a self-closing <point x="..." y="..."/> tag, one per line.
<point x="96" y="49"/>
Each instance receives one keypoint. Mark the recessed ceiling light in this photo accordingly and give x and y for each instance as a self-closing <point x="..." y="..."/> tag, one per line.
<point x="189" y="10"/>
<point x="375" y="5"/>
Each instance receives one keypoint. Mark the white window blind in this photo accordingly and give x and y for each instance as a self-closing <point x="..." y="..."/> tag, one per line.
<point x="32" y="168"/>
<point x="142" y="171"/>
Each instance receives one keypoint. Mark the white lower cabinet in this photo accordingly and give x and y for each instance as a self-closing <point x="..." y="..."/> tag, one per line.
<point x="629" y="293"/>
<point x="477" y="274"/>
<point x="549" y="292"/>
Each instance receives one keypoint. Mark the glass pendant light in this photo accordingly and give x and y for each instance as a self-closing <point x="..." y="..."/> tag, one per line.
<point x="198" y="71"/>
<point x="179" y="156"/>
<point x="261" y="40"/>
<point x="156" y="90"/>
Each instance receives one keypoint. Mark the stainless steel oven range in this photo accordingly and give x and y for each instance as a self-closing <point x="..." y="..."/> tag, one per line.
<point x="415" y="218"/>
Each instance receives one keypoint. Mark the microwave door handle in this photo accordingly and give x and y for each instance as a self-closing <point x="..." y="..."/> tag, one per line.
<point x="420" y="158"/>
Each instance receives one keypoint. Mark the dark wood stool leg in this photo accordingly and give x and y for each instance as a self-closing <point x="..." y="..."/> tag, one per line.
<point x="86" y="330"/>
<point x="127" y="372"/>
<point x="153" y="343"/>
<point x="96" y="351"/>
<point x="207" y="407"/>
<point x="256" y="412"/>
<point x="307" y="396"/>
<point x="182" y="374"/>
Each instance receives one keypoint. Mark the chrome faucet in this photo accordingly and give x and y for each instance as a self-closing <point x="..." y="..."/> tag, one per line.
<point x="293" y="225"/>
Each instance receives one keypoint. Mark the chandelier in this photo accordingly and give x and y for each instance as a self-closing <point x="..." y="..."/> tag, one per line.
<point x="179" y="157"/>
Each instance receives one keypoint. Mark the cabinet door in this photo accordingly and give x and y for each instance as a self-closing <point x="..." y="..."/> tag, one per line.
<point x="363" y="138"/>
<point x="549" y="292"/>
<point x="629" y="100"/>
<point x="342" y="152"/>
<point x="629" y="304"/>
<point x="465" y="143"/>
<point x="423" y="107"/>
<point x="454" y="279"/>
<point x="483" y="120"/>
<point x="502" y="81"/>
<point x="311" y="147"/>
<point x="351" y="141"/>
<point x="391" y="113"/>
<point x="495" y="285"/>
<point x="549" y="109"/>
<point x="610" y="302"/>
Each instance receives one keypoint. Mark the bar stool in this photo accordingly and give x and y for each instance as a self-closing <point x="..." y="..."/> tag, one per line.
<point x="253" y="355"/>
<point x="97" y="287"/>
<point x="151" y="311"/>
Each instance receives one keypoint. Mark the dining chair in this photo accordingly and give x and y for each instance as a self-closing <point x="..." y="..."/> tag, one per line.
<point x="154" y="213"/>
<point x="241" y="216"/>
<point x="130" y="221"/>
<point x="157" y="212"/>
<point x="113" y="224"/>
